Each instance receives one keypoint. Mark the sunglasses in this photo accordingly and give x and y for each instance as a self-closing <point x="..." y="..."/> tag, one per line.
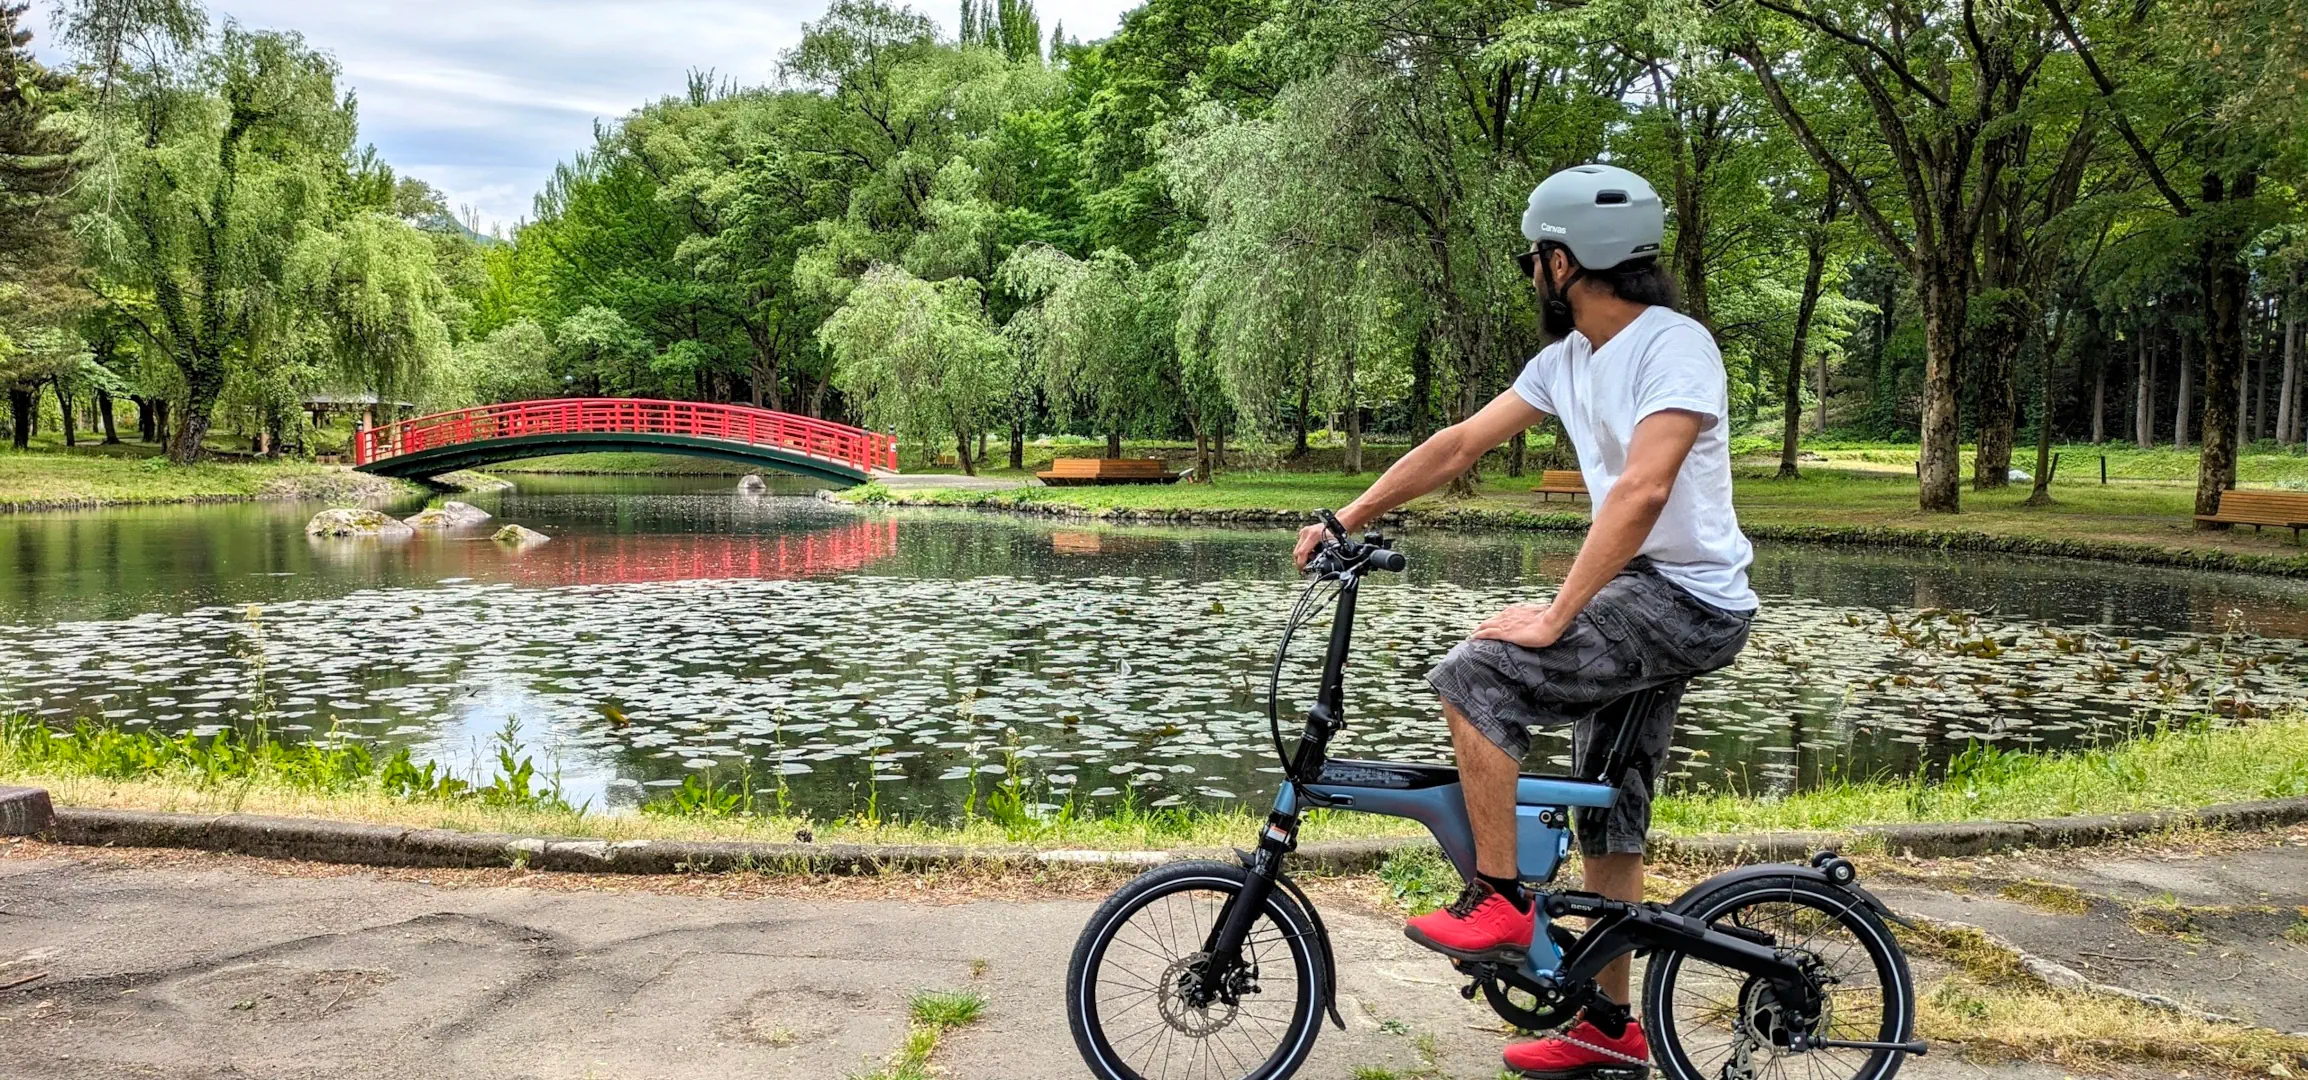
<point x="1529" y="261"/>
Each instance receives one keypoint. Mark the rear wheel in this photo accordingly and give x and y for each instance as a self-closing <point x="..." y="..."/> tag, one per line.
<point x="1709" y="1022"/>
<point x="1137" y="1003"/>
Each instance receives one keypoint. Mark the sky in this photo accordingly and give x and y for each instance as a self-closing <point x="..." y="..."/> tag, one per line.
<point x="481" y="98"/>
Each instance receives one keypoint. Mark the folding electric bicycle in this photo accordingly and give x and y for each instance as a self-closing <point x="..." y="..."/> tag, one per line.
<point x="1213" y="969"/>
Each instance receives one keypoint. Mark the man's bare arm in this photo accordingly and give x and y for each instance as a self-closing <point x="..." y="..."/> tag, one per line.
<point x="1654" y="459"/>
<point x="1431" y="464"/>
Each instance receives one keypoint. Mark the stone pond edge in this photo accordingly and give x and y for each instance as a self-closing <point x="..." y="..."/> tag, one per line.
<point x="2117" y="551"/>
<point x="321" y="840"/>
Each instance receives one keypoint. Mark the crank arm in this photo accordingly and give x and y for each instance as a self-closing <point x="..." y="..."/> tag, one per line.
<point x="1918" y="1047"/>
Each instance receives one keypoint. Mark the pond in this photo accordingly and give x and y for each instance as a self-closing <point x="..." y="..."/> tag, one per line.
<point x="838" y="657"/>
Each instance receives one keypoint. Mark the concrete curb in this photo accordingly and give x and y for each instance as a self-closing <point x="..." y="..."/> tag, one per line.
<point x="1958" y="838"/>
<point x="318" y="840"/>
<point x="24" y="811"/>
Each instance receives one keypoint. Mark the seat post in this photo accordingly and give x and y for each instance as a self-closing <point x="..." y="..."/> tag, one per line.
<point x="1627" y="708"/>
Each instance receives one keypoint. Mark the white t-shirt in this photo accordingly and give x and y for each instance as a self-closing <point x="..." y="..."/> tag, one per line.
<point x="1662" y="360"/>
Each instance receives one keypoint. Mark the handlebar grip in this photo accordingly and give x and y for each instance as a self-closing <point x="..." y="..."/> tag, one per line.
<point x="1390" y="561"/>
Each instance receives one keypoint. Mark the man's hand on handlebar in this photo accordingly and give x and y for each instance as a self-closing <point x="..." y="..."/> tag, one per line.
<point x="1310" y="540"/>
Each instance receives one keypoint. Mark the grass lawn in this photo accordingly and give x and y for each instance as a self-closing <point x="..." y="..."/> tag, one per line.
<point x="1858" y="488"/>
<point x="95" y="475"/>
<point x="2180" y="767"/>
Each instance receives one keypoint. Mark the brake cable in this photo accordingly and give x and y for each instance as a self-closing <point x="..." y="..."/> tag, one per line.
<point x="1301" y="614"/>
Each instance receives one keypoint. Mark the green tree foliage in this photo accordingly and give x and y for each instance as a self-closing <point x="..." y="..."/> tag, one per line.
<point x="36" y="249"/>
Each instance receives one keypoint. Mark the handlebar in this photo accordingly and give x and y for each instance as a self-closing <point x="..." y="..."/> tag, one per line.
<point x="1341" y="554"/>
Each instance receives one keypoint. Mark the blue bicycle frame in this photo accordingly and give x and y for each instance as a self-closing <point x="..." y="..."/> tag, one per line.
<point x="1430" y="795"/>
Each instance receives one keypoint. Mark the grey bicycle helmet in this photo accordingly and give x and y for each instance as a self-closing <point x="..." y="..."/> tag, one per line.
<point x="1604" y="214"/>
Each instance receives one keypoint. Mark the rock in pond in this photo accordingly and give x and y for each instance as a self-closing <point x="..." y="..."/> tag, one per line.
<point x="752" y="484"/>
<point x="348" y="522"/>
<point x="449" y="515"/>
<point x="519" y="537"/>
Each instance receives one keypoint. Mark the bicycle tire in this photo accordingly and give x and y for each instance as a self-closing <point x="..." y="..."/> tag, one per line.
<point x="1888" y="963"/>
<point x="1292" y="927"/>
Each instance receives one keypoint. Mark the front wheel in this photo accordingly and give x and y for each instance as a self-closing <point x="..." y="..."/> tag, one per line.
<point x="1140" y="1008"/>
<point x="1708" y="1022"/>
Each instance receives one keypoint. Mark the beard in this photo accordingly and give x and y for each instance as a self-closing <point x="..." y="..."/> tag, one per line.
<point x="1554" y="310"/>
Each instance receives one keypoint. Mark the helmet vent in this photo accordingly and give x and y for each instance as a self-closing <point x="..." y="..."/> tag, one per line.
<point x="1610" y="198"/>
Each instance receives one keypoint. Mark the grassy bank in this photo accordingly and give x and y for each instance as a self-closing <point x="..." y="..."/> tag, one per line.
<point x="2142" y="521"/>
<point x="2172" y="768"/>
<point x="133" y="475"/>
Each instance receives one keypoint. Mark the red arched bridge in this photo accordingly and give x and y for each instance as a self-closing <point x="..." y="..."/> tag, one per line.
<point x="467" y="438"/>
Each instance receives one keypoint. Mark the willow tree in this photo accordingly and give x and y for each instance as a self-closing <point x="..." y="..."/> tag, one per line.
<point x="1097" y="330"/>
<point x="374" y="293"/>
<point x="918" y="359"/>
<point x="228" y="160"/>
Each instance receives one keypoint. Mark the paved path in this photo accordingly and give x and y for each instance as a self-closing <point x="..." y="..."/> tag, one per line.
<point x="2224" y="930"/>
<point x="189" y="965"/>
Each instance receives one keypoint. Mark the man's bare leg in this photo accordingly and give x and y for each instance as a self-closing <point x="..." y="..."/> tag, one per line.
<point x="1619" y="877"/>
<point x="1487" y="777"/>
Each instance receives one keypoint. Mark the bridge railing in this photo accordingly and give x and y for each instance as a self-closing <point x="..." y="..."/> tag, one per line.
<point x="816" y="438"/>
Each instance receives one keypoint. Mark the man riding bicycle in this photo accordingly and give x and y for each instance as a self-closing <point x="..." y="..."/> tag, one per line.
<point x="1657" y="594"/>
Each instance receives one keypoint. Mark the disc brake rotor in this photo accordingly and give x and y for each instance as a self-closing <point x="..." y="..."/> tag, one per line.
<point x="1181" y="988"/>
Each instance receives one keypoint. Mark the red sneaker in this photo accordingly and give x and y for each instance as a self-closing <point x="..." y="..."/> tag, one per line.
<point x="1582" y="1053"/>
<point x="1479" y="925"/>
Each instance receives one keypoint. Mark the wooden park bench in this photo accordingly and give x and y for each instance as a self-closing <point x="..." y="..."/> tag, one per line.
<point x="1070" y="472"/>
<point x="1553" y="482"/>
<point x="2258" y="508"/>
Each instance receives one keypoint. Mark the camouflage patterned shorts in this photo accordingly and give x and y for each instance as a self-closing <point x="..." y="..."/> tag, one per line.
<point x="1641" y="631"/>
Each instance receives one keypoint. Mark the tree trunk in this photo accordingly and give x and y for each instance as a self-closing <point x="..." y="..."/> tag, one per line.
<point x="2042" y="493"/>
<point x="1820" y="388"/>
<point x="204" y="380"/>
<point x="2287" y="399"/>
<point x="1221" y="441"/>
<point x="20" y="403"/>
<point x="2144" y="400"/>
<point x="2227" y="282"/>
<point x="1353" y="410"/>
<point x="2257" y="377"/>
<point x="1814" y="269"/>
<point x="1114" y="443"/>
<point x="962" y="453"/>
<point x="64" y="412"/>
<point x="1939" y="466"/>
<point x="1305" y="402"/>
<point x="1201" y="455"/>
<point x="104" y="417"/>
<point x="1518" y="448"/>
<point x="1998" y="405"/>
<point x="1018" y="444"/>
<point x="2100" y="400"/>
<point x="981" y="446"/>
<point x="2186" y="395"/>
<point x="1421" y="390"/>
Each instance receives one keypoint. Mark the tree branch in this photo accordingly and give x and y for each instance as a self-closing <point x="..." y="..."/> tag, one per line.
<point x="2123" y="123"/>
<point x="1849" y="38"/>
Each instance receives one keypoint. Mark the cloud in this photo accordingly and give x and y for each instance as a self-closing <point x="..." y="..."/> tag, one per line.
<point x="482" y="97"/>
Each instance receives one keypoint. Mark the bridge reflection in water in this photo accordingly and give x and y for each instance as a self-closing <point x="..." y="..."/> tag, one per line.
<point x="619" y="559"/>
<point x="630" y="558"/>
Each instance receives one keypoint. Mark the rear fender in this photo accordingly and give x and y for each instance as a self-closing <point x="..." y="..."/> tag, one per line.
<point x="1795" y="871"/>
